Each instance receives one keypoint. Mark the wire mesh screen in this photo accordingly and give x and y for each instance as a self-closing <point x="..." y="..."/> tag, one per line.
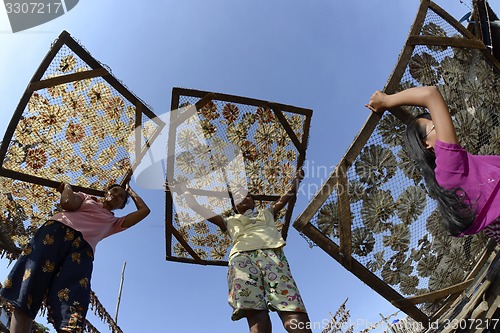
<point x="228" y="145"/>
<point x="81" y="137"/>
<point x="396" y="231"/>
<point x="75" y="123"/>
<point x="23" y="207"/>
<point x="435" y="25"/>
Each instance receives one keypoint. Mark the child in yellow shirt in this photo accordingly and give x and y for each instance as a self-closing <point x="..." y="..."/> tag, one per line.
<point x="259" y="277"/>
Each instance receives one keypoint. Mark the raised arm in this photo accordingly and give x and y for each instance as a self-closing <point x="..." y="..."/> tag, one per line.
<point x="428" y="97"/>
<point x="69" y="200"/>
<point x="278" y="205"/>
<point x="141" y="212"/>
<point x="199" y="209"/>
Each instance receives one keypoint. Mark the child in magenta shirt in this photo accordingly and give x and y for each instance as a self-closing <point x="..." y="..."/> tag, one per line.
<point x="465" y="186"/>
<point x="58" y="261"/>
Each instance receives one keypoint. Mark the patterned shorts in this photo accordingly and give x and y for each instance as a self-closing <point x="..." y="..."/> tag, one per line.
<point x="261" y="280"/>
<point x="56" y="265"/>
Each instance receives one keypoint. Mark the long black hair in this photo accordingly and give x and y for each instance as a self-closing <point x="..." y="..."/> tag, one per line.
<point x="454" y="204"/>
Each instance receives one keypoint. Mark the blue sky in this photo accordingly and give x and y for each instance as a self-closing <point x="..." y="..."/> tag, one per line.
<point x="325" y="55"/>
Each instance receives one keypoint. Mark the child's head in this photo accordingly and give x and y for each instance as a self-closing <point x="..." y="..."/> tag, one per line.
<point x="425" y="130"/>
<point x="116" y="196"/>
<point x="243" y="204"/>
<point x="420" y="138"/>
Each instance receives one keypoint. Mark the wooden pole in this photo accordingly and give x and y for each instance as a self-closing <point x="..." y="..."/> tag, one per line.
<point x="387" y="323"/>
<point x="120" y="292"/>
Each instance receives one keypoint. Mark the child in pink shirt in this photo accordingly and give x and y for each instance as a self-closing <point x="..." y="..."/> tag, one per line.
<point x="58" y="261"/>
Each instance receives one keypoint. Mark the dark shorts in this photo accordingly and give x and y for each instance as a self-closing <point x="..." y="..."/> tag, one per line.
<point x="56" y="265"/>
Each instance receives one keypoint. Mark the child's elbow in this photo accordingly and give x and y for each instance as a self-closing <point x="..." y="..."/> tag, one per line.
<point x="67" y="205"/>
<point x="432" y="91"/>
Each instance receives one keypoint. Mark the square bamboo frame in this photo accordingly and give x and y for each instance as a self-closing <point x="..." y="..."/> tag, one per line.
<point x="97" y="70"/>
<point x="204" y="98"/>
<point x="342" y="252"/>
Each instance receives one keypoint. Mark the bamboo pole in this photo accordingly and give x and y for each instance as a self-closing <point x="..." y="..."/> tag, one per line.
<point x="120" y="292"/>
<point x="384" y="319"/>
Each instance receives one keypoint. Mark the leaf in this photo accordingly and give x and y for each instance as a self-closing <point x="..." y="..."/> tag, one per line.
<point x="427" y="265"/>
<point x="409" y="285"/>
<point x="396" y="268"/>
<point x="356" y="191"/>
<point x="432" y="29"/>
<point x="390" y="277"/>
<point x="378" y="206"/>
<point x="391" y="129"/>
<point x="218" y="252"/>
<point x="410" y="204"/>
<point x="185" y="162"/>
<point x="478" y="243"/>
<point x="435" y="225"/>
<point x="441" y="245"/>
<point x="375" y="165"/>
<point x="399" y="239"/>
<point x="468" y="131"/>
<point x="454" y="258"/>
<point x="409" y="167"/>
<point x="475" y="95"/>
<point x="209" y="111"/>
<point x="180" y="251"/>
<point x="453" y="74"/>
<point x="443" y="277"/>
<point x="363" y="241"/>
<point x="231" y="112"/>
<point x="328" y="219"/>
<point x="423" y="68"/>
<point x="377" y="262"/>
